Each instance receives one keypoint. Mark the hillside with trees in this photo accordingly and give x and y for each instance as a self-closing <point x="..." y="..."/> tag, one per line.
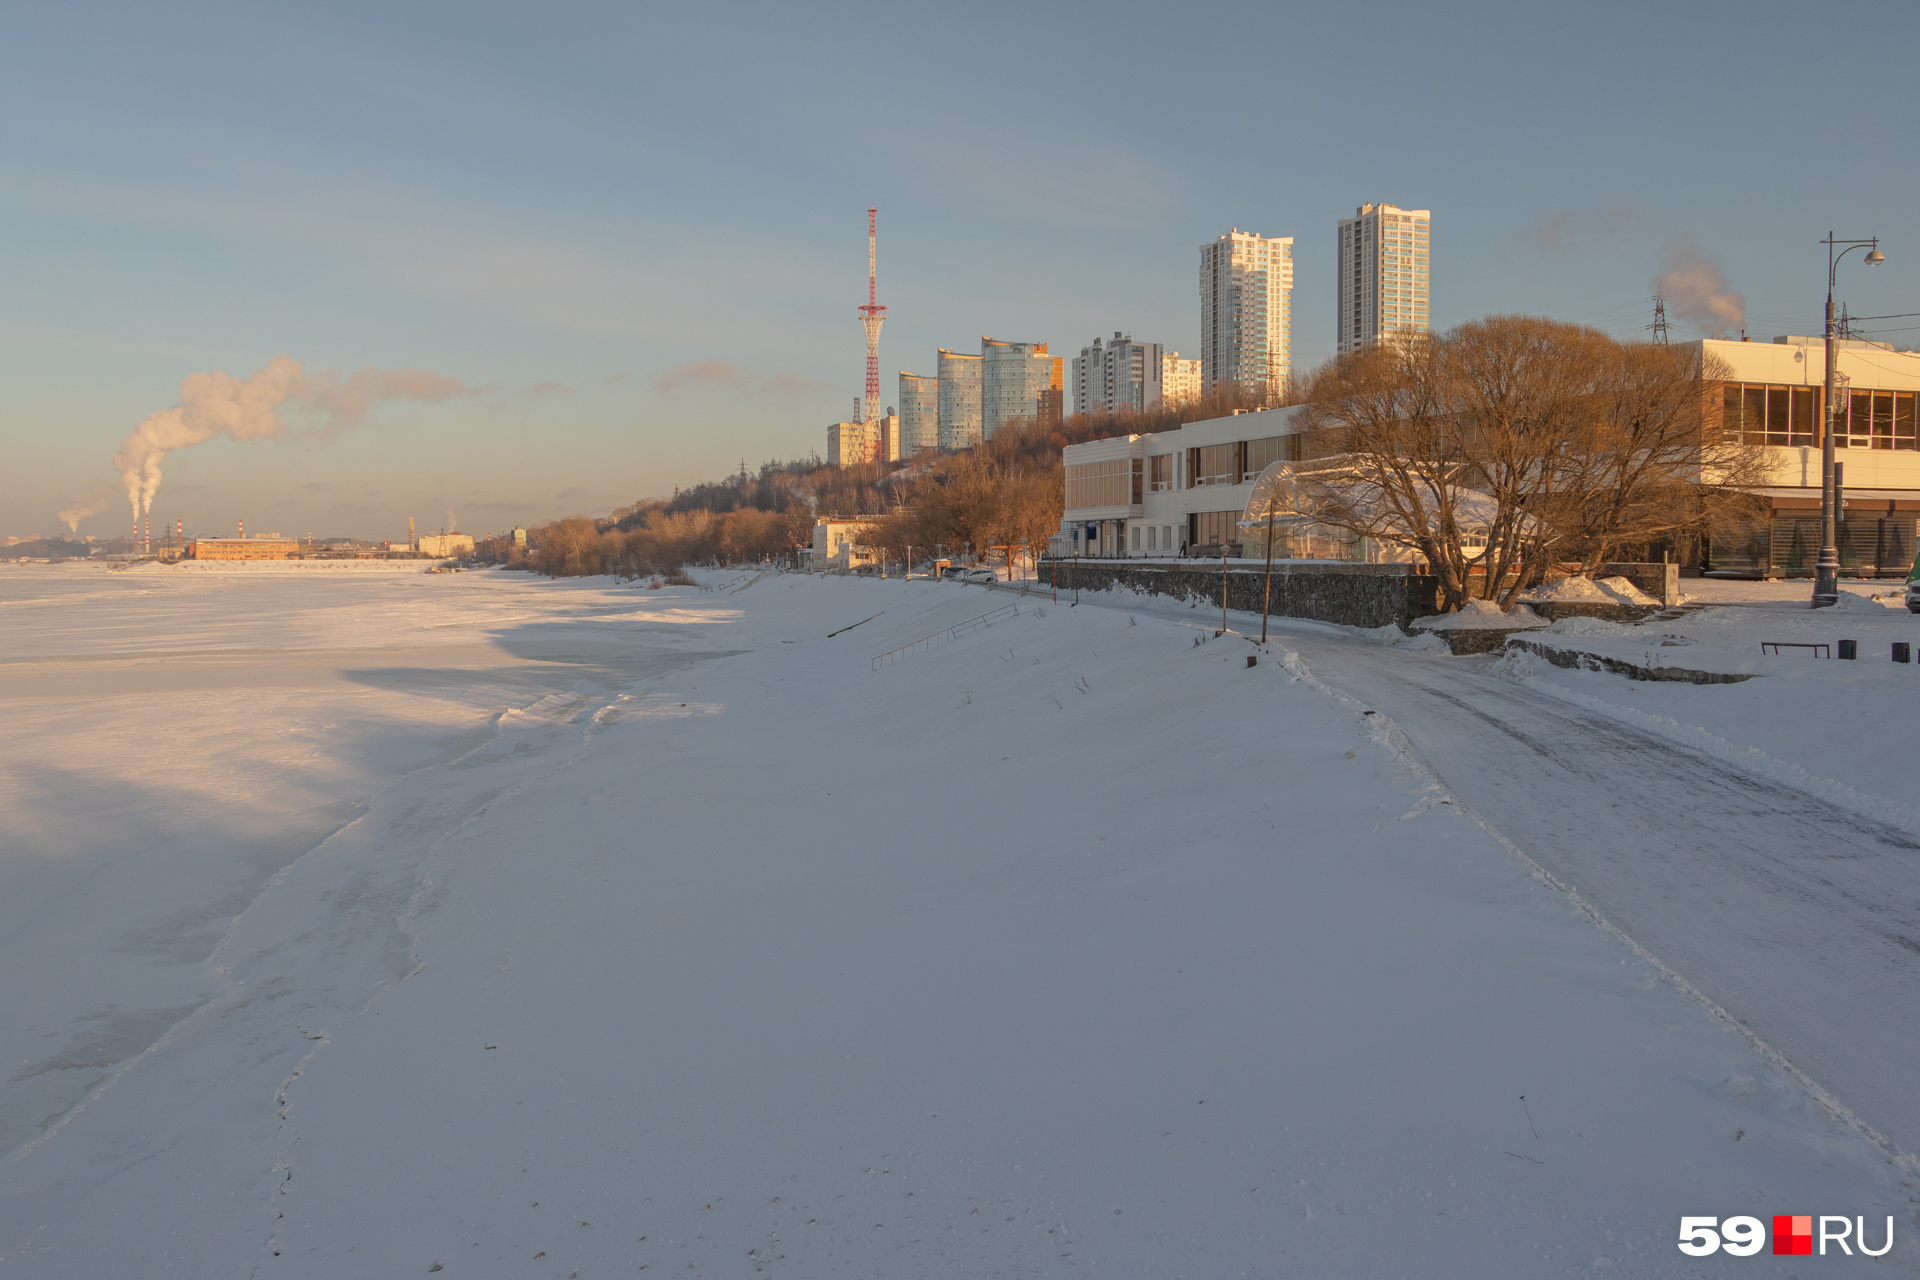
<point x="1007" y="488"/>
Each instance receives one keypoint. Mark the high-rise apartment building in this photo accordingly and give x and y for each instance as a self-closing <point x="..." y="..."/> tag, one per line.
<point x="919" y="413"/>
<point x="1246" y="306"/>
<point x="1385" y="262"/>
<point x="1113" y="378"/>
<point x="1179" y="380"/>
<point x="959" y="411"/>
<point x="1018" y="381"/>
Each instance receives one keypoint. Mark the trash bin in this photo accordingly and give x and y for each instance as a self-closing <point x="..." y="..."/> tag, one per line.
<point x="1902" y="651"/>
<point x="1850" y="648"/>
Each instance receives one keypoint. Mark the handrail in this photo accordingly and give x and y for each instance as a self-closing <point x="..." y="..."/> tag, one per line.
<point x="943" y="635"/>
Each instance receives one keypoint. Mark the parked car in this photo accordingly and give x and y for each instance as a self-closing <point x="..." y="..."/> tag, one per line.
<point x="979" y="575"/>
<point x="1913" y="589"/>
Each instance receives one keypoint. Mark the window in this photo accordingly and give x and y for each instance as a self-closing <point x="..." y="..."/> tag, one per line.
<point x="1151" y="531"/>
<point x="1876" y="420"/>
<point x="1780" y="416"/>
<point x="1139" y="469"/>
<point x="1262" y="454"/>
<point x="1211" y="528"/>
<point x="1166" y="537"/>
<point x="1160" y="473"/>
<point x="1098" y="484"/>
<point x="1213" y="464"/>
<point x="1136" y="537"/>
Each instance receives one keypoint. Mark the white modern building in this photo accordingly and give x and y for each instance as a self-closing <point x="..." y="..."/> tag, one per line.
<point x="959" y="411"/>
<point x="840" y="543"/>
<point x="919" y="413"/>
<point x="1019" y="381"/>
<point x="1116" y="377"/>
<point x="1180" y="380"/>
<point x="1385" y="269"/>
<point x="1246" y="312"/>
<point x="1167" y="493"/>
<point x="1773" y="394"/>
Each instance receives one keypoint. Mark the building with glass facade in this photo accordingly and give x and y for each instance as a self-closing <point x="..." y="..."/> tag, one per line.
<point x="1019" y="381"/>
<point x="1385" y="260"/>
<point x="1172" y="493"/>
<point x="919" y="413"/>
<point x="1246" y="313"/>
<point x="959" y="409"/>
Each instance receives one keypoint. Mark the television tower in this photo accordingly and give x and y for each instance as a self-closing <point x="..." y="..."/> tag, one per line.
<point x="872" y="316"/>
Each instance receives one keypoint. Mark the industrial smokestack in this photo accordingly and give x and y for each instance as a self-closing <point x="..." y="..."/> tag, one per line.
<point x="241" y="525"/>
<point x="413" y="543"/>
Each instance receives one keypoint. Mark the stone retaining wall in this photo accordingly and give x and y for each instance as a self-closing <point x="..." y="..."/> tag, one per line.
<point x="1356" y="595"/>
<point x="1580" y="660"/>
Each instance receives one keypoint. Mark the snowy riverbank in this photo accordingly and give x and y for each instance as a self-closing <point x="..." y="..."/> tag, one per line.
<point x="656" y="929"/>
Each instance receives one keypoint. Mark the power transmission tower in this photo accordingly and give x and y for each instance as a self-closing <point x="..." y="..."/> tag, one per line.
<point x="1659" y="325"/>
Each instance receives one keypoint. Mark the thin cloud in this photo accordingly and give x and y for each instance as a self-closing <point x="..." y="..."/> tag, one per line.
<point x="1573" y="231"/>
<point x="744" y="382"/>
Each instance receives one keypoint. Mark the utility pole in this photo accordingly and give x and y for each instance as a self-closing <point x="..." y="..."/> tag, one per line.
<point x="1266" y="598"/>
<point x="1223" y="589"/>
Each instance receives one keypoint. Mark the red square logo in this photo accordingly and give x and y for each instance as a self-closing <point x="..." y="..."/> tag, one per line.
<point x="1792" y="1233"/>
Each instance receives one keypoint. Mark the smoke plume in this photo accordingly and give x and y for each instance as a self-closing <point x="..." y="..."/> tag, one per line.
<point x="90" y="502"/>
<point x="214" y="404"/>
<point x="1697" y="290"/>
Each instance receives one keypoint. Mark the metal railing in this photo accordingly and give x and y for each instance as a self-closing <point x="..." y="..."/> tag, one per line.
<point x="943" y="635"/>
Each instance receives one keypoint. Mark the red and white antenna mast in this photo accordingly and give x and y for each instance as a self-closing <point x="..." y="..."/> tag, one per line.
<point x="872" y="316"/>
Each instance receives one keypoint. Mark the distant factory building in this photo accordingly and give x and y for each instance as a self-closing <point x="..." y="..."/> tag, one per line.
<point x="441" y="545"/>
<point x="244" y="549"/>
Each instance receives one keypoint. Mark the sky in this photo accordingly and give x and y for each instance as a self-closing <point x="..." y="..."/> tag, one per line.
<point x="623" y="245"/>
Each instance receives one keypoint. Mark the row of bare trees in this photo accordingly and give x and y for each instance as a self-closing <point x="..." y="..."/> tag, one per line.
<point x="1550" y="443"/>
<point x="663" y="541"/>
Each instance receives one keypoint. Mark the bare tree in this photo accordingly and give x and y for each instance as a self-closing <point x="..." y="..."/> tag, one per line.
<point x="1542" y="442"/>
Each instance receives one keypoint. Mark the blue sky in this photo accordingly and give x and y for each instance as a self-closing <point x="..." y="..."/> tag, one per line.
<point x="561" y="204"/>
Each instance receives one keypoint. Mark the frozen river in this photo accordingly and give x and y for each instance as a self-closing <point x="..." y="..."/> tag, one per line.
<point x="175" y="738"/>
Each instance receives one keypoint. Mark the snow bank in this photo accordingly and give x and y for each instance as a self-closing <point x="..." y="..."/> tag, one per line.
<point x="1482" y="615"/>
<point x="1586" y="590"/>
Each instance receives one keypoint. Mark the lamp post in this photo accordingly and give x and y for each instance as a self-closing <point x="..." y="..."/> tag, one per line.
<point x="1826" y="571"/>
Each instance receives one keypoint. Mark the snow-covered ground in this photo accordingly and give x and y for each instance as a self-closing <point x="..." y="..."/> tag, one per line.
<point x="357" y="925"/>
<point x="1842" y="729"/>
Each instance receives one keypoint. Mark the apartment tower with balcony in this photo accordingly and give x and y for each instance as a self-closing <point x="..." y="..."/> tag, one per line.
<point x="1246" y="313"/>
<point x="1385" y="262"/>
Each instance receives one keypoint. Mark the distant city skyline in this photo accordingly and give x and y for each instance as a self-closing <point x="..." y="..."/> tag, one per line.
<point x="633" y="294"/>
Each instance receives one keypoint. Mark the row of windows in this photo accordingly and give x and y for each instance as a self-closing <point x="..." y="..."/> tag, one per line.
<point x="1112" y="483"/>
<point x="1121" y="481"/>
<point x="1789" y="416"/>
<point x="1239" y="462"/>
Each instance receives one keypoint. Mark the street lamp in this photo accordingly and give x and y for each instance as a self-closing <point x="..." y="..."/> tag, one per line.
<point x="1826" y="571"/>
